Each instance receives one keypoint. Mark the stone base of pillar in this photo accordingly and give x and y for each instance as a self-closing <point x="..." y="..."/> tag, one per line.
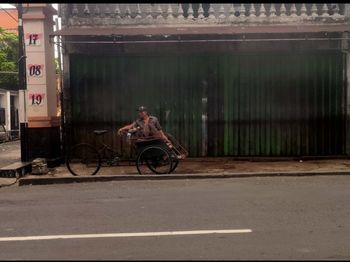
<point x="44" y="142"/>
<point x="39" y="122"/>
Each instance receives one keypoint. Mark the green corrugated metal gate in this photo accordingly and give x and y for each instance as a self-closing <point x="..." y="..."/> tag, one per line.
<point x="262" y="104"/>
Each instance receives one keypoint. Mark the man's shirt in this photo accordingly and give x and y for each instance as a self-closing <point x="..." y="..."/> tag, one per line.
<point x="152" y="129"/>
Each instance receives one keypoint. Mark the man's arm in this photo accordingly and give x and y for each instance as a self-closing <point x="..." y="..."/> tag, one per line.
<point x="158" y="126"/>
<point x="127" y="127"/>
<point x="163" y="135"/>
<point x="166" y="139"/>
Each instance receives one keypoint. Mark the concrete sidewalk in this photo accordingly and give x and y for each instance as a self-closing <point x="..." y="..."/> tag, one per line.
<point x="191" y="168"/>
<point x="202" y="168"/>
<point x="10" y="152"/>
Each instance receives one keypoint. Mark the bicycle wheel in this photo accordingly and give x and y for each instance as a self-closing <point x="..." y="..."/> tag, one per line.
<point x="83" y="160"/>
<point x="154" y="159"/>
<point x="175" y="162"/>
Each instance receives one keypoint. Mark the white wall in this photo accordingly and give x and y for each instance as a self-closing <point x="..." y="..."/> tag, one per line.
<point x="5" y="103"/>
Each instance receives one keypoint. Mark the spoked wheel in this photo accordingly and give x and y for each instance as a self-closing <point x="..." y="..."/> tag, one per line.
<point x="83" y="160"/>
<point x="154" y="159"/>
<point x="175" y="162"/>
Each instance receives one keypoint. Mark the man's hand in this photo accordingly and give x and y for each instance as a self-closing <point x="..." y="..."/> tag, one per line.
<point x="120" y="131"/>
<point x="170" y="145"/>
<point x="124" y="128"/>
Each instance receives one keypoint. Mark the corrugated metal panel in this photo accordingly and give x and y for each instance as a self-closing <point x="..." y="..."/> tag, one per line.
<point x="107" y="90"/>
<point x="258" y="104"/>
<point x="283" y="105"/>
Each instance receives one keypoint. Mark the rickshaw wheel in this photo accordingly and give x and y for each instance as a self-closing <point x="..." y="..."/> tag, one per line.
<point x="157" y="160"/>
<point x="175" y="162"/>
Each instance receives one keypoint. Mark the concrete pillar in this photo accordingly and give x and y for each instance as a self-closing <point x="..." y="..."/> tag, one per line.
<point x="40" y="98"/>
<point x="15" y="127"/>
<point x="22" y="94"/>
<point x="5" y="99"/>
<point x="8" y="110"/>
<point x="346" y="49"/>
<point x="347" y="10"/>
<point x="347" y="135"/>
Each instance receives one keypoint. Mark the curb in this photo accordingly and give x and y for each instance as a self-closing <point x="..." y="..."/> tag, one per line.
<point x="74" y="179"/>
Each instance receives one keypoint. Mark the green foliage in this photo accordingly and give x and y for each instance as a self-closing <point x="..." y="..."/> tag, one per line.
<point x="8" y="59"/>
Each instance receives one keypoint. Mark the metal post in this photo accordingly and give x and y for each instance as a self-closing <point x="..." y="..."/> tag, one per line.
<point x="22" y="84"/>
<point x="63" y="131"/>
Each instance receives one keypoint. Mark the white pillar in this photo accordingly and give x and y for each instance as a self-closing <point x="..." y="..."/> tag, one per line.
<point x="43" y="132"/>
<point x="22" y="106"/>
<point x="347" y="10"/>
<point x="41" y="101"/>
<point x="8" y="111"/>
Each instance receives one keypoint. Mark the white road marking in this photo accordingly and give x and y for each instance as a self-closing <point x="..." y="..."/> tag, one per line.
<point x="141" y="234"/>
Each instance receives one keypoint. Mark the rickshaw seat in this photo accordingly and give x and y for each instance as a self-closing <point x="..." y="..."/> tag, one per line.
<point x="100" y="132"/>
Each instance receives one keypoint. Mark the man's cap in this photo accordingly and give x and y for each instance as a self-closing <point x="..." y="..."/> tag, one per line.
<point x="141" y="109"/>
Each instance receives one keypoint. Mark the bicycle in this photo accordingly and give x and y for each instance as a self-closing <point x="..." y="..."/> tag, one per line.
<point x="152" y="155"/>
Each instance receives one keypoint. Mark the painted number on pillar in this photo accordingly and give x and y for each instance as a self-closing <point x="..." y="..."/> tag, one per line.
<point x="35" y="70"/>
<point x="33" y="39"/>
<point x="36" y="98"/>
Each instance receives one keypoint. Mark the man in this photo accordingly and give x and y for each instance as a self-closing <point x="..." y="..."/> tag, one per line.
<point x="145" y="125"/>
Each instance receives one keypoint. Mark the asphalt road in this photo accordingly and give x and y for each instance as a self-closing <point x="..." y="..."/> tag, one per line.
<point x="290" y="218"/>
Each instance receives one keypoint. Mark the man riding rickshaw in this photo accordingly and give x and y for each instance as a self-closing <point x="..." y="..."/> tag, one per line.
<point x="145" y="126"/>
